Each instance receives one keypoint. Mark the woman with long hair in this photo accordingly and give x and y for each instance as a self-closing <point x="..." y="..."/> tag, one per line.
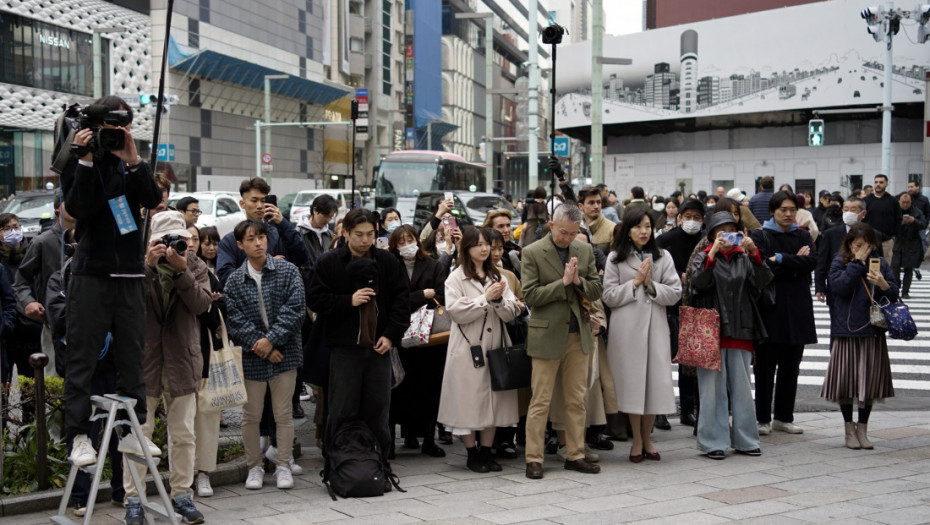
<point x="639" y="282"/>
<point x="480" y="302"/>
<point x="859" y="370"/>
<point x="209" y="246"/>
<point x="415" y="402"/>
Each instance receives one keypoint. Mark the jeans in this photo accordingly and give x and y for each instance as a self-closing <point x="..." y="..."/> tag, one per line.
<point x="359" y="388"/>
<point x="730" y="386"/>
<point x="787" y="360"/>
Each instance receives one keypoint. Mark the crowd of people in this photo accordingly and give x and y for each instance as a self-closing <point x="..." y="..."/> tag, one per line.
<point x="590" y="285"/>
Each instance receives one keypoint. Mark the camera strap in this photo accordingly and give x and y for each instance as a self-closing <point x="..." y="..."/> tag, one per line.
<point x="119" y="206"/>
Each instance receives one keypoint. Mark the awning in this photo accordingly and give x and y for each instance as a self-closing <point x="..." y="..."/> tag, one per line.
<point x="438" y="131"/>
<point x="216" y="66"/>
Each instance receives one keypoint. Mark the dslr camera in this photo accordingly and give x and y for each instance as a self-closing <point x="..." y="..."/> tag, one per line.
<point x="173" y="240"/>
<point x="553" y="34"/>
<point x="93" y="117"/>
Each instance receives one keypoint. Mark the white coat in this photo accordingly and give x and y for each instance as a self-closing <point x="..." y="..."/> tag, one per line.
<point x="467" y="401"/>
<point x="638" y="346"/>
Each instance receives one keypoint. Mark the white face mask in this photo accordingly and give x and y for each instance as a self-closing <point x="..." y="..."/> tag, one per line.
<point x="408" y="251"/>
<point x="441" y="246"/>
<point x="850" y="218"/>
<point x="691" y="227"/>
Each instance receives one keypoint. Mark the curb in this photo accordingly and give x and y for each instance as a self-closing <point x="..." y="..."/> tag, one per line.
<point x="226" y="474"/>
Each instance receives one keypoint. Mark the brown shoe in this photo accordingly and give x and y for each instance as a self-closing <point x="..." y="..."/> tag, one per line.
<point x="534" y="470"/>
<point x="582" y="465"/>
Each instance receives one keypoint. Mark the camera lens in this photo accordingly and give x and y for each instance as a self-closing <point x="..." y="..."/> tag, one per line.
<point x="111" y="139"/>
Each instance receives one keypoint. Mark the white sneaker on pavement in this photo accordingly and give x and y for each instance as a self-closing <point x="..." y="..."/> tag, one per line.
<point x="129" y="444"/>
<point x="284" y="478"/>
<point x="256" y="478"/>
<point x="271" y="454"/>
<point x="82" y="451"/>
<point x="790" y="428"/>
<point x="296" y="469"/>
<point x="204" y="490"/>
<point x="765" y="429"/>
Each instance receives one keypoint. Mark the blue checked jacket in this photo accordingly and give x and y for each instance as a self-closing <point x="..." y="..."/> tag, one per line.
<point x="283" y="293"/>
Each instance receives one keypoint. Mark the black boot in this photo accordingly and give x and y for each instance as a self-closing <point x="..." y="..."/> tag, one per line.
<point x="488" y="459"/>
<point x="475" y="463"/>
<point x="662" y="423"/>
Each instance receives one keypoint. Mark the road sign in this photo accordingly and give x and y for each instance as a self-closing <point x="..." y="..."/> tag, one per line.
<point x="560" y="146"/>
<point x="6" y="155"/>
<point x="266" y="167"/>
<point x="266" y="158"/>
<point x="166" y="152"/>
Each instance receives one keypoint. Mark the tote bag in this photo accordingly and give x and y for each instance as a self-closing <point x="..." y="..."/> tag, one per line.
<point x="699" y="338"/>
<point x="418" y="332"/>
<point x="224" y="388"/>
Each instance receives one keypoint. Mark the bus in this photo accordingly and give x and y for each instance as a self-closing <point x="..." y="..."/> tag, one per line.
<point x="402" y="175"/>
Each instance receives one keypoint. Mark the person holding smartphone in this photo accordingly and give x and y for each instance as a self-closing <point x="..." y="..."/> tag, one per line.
<point x="859" y="370"/>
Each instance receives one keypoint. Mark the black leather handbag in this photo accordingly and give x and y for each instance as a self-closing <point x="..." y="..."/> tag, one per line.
<point x="510" y="366"/>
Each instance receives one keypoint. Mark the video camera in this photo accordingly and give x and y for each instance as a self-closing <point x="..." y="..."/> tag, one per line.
<point x="93" y="117"/>
<point x="173" y="240"/>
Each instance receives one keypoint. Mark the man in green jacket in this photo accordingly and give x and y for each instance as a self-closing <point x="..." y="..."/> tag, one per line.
<point x="558" y="272"/>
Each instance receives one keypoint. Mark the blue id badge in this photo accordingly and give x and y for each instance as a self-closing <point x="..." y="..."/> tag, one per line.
<point x="123" y="216"/>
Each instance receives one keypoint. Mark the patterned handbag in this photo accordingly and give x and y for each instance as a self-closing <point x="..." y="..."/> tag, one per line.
<point x="699" y="338"/>
<point x="900" y="323"/>
<point x="417" y="333"/>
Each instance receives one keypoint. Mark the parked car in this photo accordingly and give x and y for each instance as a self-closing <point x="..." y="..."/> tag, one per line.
<point x="304" y="199"/>
<point x="218" y="208"/>
<point x="478" y="205"/>
<point x="426" y="205"/>
<point x="285" y="203"/>
<point x="32" y="207"/>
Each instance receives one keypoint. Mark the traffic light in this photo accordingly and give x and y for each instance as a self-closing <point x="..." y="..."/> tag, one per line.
<point x="815" y="132"/>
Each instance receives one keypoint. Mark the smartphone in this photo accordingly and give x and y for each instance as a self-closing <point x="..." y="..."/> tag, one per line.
<point x="906" y="215"/>
<point x="382" y="243"/>
<point x="477" y="356"/>
<point x="271" y="199"/>
<point x="449" y="224"/>
<point x="448" y="195"/>
<point x="875" y="264"/>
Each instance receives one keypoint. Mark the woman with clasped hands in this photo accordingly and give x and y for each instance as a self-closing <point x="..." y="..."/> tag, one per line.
<point x="639" y="282"/>
<point x="479" y="302"/>
<point x="859" y="368"/>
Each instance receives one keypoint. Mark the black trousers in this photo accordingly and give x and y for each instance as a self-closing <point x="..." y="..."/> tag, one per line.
<point x="786" y="360"/>
<point x="97" y="305"/>
<point x="359" y="388"/>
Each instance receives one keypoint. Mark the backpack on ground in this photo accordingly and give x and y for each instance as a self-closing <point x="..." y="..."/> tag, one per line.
<point x="352" y="468"/>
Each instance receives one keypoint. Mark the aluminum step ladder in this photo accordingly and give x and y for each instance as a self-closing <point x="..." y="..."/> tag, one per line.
<point x="108" y="406"/>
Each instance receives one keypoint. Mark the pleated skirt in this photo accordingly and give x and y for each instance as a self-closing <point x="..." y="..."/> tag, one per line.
<point x="859" y="371"/>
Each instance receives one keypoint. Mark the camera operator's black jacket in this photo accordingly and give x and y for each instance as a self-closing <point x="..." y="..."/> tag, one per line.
<point x="101" y="250"/>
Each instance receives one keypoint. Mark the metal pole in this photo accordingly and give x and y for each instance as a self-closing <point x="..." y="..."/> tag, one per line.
<point x="429" y="135"/>
<point x="352" y="206"/>
<point x="98" y="66"/>
<point x="597" y="94"/>
<point x="267" y="121"/>
<point x="258" y="148"/>
<point x="886" y="106"/>
<point x="38" y="361"/>
<point x="489" y="103"/>
<point x="552" y="133"/>
<point x="533" y="96"/>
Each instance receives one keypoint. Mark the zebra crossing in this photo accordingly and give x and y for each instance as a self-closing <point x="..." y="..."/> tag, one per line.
<point x="910" y="360"/>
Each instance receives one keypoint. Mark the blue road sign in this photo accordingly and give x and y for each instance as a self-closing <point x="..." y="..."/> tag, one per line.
<point x="6" y="154"/>
<point x="166" y="152"/>
<point x="411" y="135"/>
<point x="361" y="92"/>
<point x="560" y="146"/>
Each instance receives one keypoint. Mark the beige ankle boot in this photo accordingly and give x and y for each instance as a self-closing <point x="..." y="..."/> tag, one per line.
<point x="851" y="440"/>
<point x="861" y="429"/>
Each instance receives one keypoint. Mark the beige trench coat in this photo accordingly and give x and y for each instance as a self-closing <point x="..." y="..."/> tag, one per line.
<point x="638" y="347"/>
<point x="467" y="401"/>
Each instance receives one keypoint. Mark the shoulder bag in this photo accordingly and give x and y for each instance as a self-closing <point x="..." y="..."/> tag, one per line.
<point x="510" y="366"/>
<point x="698" y="338"/>
<point x="894" y="317"/>
<point x="876" y="315"/>
<point x="442" y="325"/>
<point x="224" y="387"/>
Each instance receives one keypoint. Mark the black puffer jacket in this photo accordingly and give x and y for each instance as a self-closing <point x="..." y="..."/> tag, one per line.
<point x="731" y="286"/>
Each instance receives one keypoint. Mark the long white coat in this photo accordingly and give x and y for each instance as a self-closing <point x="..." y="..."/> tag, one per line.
<point x="467" y="401"/>
<point x="638" y="345"/>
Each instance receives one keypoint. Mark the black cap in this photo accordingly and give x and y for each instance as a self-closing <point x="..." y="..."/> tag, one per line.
<point x="824" y="193"/>
<point x="719" y="219"/>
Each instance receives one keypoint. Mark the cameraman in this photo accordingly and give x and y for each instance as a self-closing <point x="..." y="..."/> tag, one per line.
<point x="105" y="191"/>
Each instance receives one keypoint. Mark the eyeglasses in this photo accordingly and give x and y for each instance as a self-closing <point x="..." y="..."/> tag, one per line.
<point x="193" y="212"/>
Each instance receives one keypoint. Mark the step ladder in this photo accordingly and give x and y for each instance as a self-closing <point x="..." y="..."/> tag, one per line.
<point x="108" y="406"/>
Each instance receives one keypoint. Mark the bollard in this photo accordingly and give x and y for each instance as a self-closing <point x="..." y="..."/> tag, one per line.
<point x="38" y="361"/>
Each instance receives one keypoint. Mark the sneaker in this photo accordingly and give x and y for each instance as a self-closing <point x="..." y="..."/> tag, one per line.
<point x="82" y="452"/>
<point x="764" y="429"/>
<point x="717" y="454"/>
<point x="204" y="490"/>
<point x="80" y="510"/>
<point x="589" y="454"/>
<point x="754" y="452"/>
<point x="790" y="428"/>
<point x="264" y="442"/>
<point x="562" y="453"/>
<point x="256" y="478"/>
<point x="304" y="393"/>
<point x="185" y="507"/>
<point x="271" y="454"/>
<point x="135" y="514"/>
<point x="284" y="478"/>
<point x="129" y="444"/>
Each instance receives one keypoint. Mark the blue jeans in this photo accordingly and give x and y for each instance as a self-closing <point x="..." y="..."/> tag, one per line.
<point x="729" y="388"/>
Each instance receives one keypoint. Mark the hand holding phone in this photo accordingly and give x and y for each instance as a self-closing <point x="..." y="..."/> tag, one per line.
<point x="448" y="195"/>
<point x="875" y="264"/>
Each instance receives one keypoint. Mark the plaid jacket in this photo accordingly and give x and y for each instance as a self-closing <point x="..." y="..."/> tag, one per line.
<point x="283" y="293"/>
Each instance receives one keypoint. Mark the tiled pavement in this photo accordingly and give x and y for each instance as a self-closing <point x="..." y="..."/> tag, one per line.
<point x="808" y="478"/>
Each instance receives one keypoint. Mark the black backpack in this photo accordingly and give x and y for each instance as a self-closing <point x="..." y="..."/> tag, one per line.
<point x="353" y="463"/>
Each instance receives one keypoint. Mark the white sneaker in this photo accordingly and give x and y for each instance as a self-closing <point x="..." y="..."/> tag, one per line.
<point x="256" y="478"/>
<point x="765" y="429"/>
<point x="284" y="478"/>
<point x="129" y="444"/>
<point x="296" y="469"/>
<point x="790" y="428"/>
<point x="82" y="452"/>
<point x="271" y="454"/>
<point x="204" y="490"/>
<point x="264" y="442"/>
<point x="590" y="455"/>
<point x="304" y="393"/>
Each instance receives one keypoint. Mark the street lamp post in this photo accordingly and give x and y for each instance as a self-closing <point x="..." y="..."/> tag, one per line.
<point x="258" y="154"/>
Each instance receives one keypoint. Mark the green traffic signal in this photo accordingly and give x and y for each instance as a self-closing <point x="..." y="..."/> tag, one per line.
<point x="815" y="132"/>
<point x="144" y="99"/>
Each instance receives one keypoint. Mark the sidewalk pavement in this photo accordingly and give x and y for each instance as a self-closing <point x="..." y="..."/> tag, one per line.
<point x="806" y="478"/>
